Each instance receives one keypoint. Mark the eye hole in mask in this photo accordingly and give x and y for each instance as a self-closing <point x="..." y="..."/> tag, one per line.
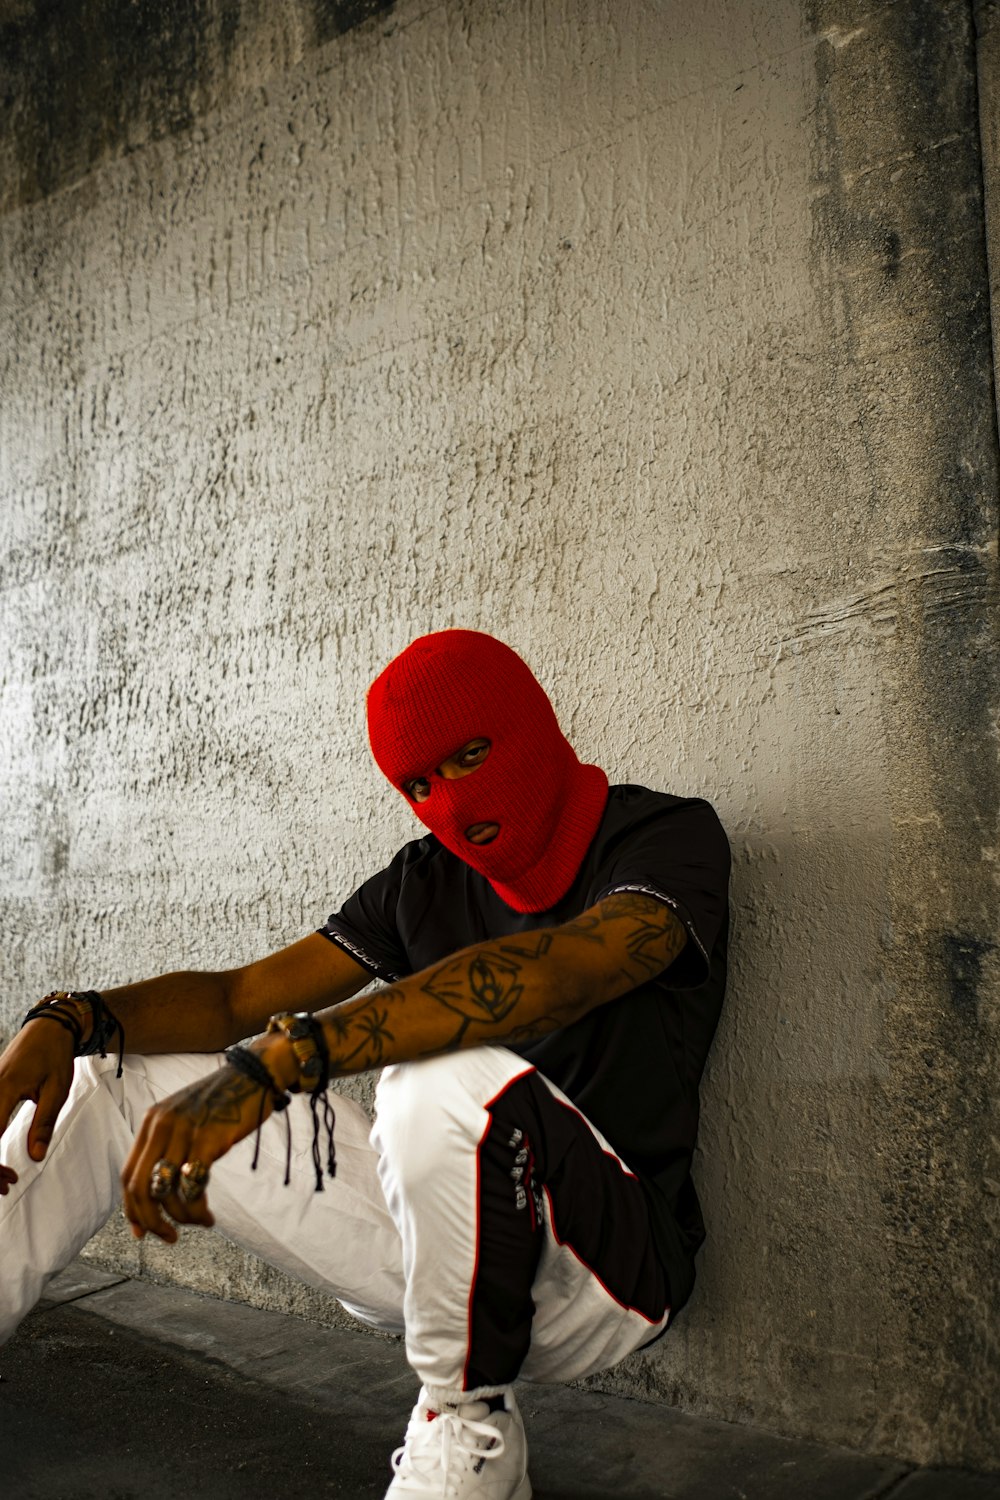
<point x="469" y="758"/>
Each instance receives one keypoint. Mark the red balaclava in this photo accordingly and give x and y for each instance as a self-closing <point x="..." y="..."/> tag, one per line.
<point x="459" y="685"/>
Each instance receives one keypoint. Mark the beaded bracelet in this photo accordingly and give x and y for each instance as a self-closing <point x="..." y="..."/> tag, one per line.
<point x="308" y="1040"/>
<point x="306" y="1037"/>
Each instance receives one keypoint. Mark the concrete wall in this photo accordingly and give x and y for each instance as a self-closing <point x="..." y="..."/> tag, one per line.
<point x="653" y="337"/>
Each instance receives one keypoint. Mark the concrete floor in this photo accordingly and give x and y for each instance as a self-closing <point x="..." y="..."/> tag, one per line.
<point x="114" y="1389"/>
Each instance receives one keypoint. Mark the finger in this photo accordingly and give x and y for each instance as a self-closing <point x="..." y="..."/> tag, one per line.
<point x="9" y="1100"/>
<point x="8" y="1106"/>
<point x="175" y="1206"/>
<point x="161" y="1137"/>
<point x="51" y="1099"/>
<point x="149" y="1146"/>
<point x="201" y="1213"/>
<point x="188" y="1203"/>
<point x="190" y="1212"/>
<point x="180" y="1150"/>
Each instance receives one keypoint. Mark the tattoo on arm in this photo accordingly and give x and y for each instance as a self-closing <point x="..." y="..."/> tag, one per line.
<point x="218" y="1100"/>
<point x="537" y="944"/>
<point x="656" y="936"/>
<point x="482" y="987"/>
<point x="375" y="1034"/>
<point x="360" y="1040"/>
<point x="485" y="987"/>
<point x="531" y="945"/>
<point x="512" y="990"/>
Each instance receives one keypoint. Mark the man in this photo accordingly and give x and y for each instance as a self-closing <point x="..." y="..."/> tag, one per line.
<point x="554" y="956"/>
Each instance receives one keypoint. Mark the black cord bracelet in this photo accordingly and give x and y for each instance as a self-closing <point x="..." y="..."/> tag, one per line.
<point x="319" y="1097"/>
<point x="254" y="1068"/>
<point x="104" y="1025"/>
<point x="312" y="1055"/>
<point x="67" y="1019"/>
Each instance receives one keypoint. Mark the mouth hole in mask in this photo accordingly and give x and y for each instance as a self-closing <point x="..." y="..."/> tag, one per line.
<point x="482" y="833"/>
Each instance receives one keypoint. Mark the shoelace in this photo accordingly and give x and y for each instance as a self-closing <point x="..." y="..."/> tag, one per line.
<point x="428" y="1453"/>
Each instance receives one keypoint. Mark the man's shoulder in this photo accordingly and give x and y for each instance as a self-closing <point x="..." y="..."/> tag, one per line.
<point x="629" y="802"/>
<point x="420" y="854"/>
<point x="422" y="862"/>
<point x="662" y="833"/>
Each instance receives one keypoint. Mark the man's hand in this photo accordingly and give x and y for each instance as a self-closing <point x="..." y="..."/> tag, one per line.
<point x="37" y="1066"/>
<point x="197" y="1124"/>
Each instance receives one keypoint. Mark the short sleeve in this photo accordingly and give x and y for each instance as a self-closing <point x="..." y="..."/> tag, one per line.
<point x="679" y="854"/>
<point x="365" y="926"/>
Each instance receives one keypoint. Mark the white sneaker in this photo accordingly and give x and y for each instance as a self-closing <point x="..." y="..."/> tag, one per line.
<point x="462" y="1451"/>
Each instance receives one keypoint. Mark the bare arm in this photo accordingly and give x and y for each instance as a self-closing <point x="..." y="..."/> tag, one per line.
<point x="204" y="1012"/>
<point x="183" y="1012"/>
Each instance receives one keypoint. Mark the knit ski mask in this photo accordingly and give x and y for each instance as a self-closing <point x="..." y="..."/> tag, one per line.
<point x="459" y="685"/>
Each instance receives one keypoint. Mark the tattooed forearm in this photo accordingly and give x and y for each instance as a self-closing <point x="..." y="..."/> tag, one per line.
<point x="480" y="985"/>
<point x="216" y="1100"/>
<point x="514" y="989"/>
<point x="359" y="1035"/>
<point x="372" y="1034"/>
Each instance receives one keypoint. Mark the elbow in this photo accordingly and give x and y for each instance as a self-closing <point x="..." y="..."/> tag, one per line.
<point x="580" y="990"/>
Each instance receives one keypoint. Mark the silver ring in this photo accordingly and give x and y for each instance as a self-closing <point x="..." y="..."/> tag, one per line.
<point x="162" y="1179"/>
<point x="194" y="1179"/>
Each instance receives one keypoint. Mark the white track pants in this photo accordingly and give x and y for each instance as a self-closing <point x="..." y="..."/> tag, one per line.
<point x="439" y="1221"/>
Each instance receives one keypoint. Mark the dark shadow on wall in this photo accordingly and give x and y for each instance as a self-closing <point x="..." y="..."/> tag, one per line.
<point x="82" y="83"/>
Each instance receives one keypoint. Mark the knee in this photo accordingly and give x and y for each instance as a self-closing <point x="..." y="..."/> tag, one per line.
<point x="427" y="1111"/>
<point x="422" y="1112"/>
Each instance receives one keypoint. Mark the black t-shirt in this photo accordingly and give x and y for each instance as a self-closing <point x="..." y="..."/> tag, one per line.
<point x="631" y="1066"/>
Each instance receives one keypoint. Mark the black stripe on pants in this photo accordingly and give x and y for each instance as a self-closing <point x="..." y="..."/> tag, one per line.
<point x="534" y="1143"/>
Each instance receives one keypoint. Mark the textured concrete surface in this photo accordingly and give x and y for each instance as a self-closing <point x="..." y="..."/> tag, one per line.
<point x="218" y="1399"/>
<point x="986" y="14"/>
<point x="655" y="338"/>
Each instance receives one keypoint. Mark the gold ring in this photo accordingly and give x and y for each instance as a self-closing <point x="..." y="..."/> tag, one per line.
<point x="162" y="1179"/>
<point x="194" y="1177"/>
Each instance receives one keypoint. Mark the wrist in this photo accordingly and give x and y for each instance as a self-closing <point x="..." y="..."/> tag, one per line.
<point x="67" y="1029"/>
<point x="277" y="1054"/>
<point x="85" y="1014"/>
<point x="304" y="1034"/>
<point x="74" y="1012"/>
